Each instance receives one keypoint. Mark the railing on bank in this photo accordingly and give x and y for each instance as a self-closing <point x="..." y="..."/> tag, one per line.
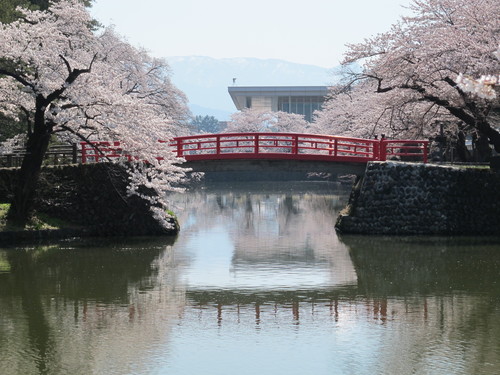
<point x="55" y="155"/>
<point x="96" y="152"/>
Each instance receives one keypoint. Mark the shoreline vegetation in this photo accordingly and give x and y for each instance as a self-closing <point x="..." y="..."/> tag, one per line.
<point x="40" y="227"/>
<point x="38" y="221"/>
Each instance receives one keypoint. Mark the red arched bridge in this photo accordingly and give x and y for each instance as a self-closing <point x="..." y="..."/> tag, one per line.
<point x="284" y="146"/>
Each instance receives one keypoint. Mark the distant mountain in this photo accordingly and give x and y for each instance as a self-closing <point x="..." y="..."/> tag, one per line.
<point x="205" y="80"/>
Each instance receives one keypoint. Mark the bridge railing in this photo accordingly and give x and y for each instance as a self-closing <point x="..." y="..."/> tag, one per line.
<point x="295" y="146"/>
<point x="269" y="145"/>
<point x="405" y="150"/>
<point x="58" y="154"/>
<point x="274" y="146"/>
<point x="96" y="152"/>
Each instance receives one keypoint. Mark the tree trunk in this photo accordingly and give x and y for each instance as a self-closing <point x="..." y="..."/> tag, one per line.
<point x="28" y="176"/>
<point x="462" y="151"/>
<point x="483" y="149"/>
<point x="493" y="135"/>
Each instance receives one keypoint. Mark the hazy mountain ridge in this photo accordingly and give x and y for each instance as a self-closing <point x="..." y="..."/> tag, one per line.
<point x="205" y="79"/>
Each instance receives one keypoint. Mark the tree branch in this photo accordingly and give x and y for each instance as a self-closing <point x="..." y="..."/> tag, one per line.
<point x="66" y="62"/>
<point x="72" y="76"/>
<point x="17" y="77"/>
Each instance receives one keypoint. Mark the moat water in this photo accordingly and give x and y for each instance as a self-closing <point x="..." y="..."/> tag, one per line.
<point x="257" y="282"/>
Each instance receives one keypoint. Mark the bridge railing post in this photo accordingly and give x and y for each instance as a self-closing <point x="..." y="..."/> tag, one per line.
<point x="217" y="144"/>
<point x="383" y="150"/>
<point x="295" y="144"/>
<point x="256" y="144"/>
<point x="84" y="152"/>
<point x="180" y="154"/>
<point x="376" y="149"/>
<point x="335" y="147"/>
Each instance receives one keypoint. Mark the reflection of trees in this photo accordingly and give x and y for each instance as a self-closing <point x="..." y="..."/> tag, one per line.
<point x="449" y="284"/>
<point x="430" y="305"/>
<point x="82" y="304"/>
<point x="24" y="278"/>
<point x="392" y="266"/>
<point x="272" y="223"/>
<point x="263" y="214"/>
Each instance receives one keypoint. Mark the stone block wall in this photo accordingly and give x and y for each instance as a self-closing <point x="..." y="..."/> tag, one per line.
<point x="407" y="198"/>
<point x="92" y="196"/>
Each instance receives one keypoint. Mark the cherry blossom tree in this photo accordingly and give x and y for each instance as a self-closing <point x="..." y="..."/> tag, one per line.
<point x="73" y="83"/>
<point x="253" y="120"/>
<point x="409" y="81"/>
<point x="290" y="123"/>
<point x="484" y="87"/>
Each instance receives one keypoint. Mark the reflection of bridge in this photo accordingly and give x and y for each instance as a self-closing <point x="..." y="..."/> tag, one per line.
<point x="296" y="305"/>
<point x="279" y="151"/>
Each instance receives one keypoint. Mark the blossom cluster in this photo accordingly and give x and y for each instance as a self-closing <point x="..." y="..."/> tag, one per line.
<point x="94" y="86"/>
<point x="256" y="120"/>
<point x="407" y="82"/>
<point x="484" y="87"/>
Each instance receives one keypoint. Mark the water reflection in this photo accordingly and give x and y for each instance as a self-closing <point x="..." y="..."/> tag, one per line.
<point x="404" y="266"/>
<point x="75" y="305"/>
<point x="256" y="282"/>
<point x="445" y="292"/>
<point x="276" y="237"/>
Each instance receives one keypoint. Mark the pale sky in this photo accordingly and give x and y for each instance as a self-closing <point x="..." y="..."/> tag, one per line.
<point x="308" y="32"/>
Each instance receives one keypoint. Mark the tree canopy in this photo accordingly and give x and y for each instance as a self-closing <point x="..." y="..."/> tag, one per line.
<point x="206" y="124"/>
<point x="77" y="84"/>
<point x="9" y="13"/>
<point x="408" y="84"/>
<point x="252" y="120"/>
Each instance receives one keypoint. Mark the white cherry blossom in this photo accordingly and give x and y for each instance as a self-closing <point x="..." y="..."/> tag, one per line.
<point x="85" y="85"/>
<point x="408" y="83"/>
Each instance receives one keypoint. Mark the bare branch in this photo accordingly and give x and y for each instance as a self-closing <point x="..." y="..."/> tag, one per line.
<point x="66" y="62"/>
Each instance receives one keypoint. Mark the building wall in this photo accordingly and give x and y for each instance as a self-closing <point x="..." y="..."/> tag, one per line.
<point x="302" y="100"/>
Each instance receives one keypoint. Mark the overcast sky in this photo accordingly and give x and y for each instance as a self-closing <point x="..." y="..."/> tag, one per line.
<point x="309" y="31"/>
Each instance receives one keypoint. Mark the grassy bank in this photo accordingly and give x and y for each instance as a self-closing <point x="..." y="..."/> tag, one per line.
<point x="37" y="222"/>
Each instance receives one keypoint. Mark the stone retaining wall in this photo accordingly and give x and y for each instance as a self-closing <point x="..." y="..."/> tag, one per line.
<point x="406" y="198"/>
<point x="92" y="196"/>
